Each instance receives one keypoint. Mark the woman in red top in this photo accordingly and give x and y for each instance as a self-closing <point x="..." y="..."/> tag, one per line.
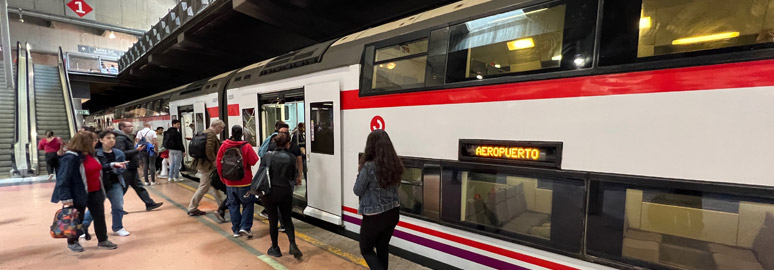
<point x="52" y="146"/>
<point x="79" y="184"/>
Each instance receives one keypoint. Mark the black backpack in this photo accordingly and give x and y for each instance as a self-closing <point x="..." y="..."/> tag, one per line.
<point x="231" y="163"/>
<point x="198" y="146"/>
<point x="261" y="184"/>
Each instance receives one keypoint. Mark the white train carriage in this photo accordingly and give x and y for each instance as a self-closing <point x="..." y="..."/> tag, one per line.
<point x="569" y="134"/>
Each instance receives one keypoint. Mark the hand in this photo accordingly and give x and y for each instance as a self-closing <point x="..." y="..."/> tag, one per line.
<point x="298" y="181"/>
<point x="141" y="147"/>
<point x="67" y="204"/>
<point x="120" y="165"/>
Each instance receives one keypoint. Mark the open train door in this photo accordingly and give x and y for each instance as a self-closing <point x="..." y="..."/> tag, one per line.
<point x="323" y="138"/>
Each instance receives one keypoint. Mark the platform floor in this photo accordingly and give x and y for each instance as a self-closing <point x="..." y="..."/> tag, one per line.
<point x="166" y="238"/>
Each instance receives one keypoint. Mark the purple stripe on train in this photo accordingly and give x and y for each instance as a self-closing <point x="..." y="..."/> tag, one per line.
<point x="474" y="257"/>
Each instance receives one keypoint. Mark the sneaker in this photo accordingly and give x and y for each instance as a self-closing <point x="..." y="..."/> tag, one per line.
<point x="122" y="232"/>
<point x="86" y="235"/>
<point x="196" y="212"/>
<point x="107" y="245"/>
<point x="264" y="214"/>
<point x="75" y="247"/>
<point x="154" y="183"/>
<point x="295" y="251"/>
<point x="50" y="177"/>
<point x="282" y="228"/>
<point x="146" y="183"/>
<point x="221" y="215"/>
<point x="237" y="235"/>
<point x="274" y="251"/>
<point x="246" y="233"/>
<point x="153" y="206"/>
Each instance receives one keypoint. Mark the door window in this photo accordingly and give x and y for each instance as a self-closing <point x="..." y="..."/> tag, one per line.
<point x="321" y="127"/>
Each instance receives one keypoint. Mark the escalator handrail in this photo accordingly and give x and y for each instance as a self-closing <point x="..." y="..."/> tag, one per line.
<point x="15" y="141"/>
<point x="64" y="79"/>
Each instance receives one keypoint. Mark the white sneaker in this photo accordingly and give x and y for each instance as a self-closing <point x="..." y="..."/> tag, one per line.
<point x="122" y="232"/>
<point x="146" y="183"/>
<point x="237" y="235"/>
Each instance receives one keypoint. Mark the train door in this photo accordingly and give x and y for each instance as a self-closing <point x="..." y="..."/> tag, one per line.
<point x="286" y="106"/>
<point x="323" y="136"/>
<point x="186" y="117"/>
<point x="199" y="117"/>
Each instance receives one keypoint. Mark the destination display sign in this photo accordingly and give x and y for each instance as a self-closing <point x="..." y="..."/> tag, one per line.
<point x="525" y="153"/>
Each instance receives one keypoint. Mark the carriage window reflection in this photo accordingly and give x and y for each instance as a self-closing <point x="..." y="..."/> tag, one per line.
<point x="410" y="190"/>
<point x="321" y="128"/>
<point x="248" y="124"/>
<point x="514" y="41"/>
<point x="668" y="27"/>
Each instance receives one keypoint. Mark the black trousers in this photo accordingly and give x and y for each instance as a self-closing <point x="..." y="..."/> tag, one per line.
<point x="375" y="232"/>
<point x="132" y="179"/>
<point x="278" y="204"/>
<point x="96" y="205"/>
<point x="52" y="162"/>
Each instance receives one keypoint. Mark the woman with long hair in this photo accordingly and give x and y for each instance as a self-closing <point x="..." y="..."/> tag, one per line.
<point x="52" y="146"/>
<point x="377" y="186"/>
<point x="283" y="171"/>
<point x="79" y="184"/>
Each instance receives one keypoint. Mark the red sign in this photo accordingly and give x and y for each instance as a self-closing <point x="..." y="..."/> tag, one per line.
<point x="80" y="7"/>
<point x="377" y="123"/>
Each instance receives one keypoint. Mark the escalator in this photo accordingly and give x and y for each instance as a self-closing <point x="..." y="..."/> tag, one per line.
<point x="50" y="114"/>
<point x="7" y="122"/>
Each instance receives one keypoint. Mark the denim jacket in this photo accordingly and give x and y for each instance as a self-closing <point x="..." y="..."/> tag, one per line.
<point x="373" y="198"/>
<point x="107" y="167"/>
<point x="71" y="184"/>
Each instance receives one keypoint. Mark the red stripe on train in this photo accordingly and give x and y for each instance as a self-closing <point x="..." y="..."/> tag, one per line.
<point x="713" y="77"/>
<point x="478" y="245"/>
<point x="214" y="112"/>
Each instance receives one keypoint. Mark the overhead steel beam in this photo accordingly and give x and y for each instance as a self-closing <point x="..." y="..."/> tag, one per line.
<point x="92" y="24"/>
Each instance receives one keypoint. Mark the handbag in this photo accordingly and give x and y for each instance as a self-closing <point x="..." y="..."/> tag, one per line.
<point x="67" y="223"/>
<point x="261" y="184"/>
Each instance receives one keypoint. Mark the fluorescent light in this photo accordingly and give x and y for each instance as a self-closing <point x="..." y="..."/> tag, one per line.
<point x="112" y="35"/>
<point x="579" y="62"/>
<point x="557" y="58"/>
<point x="645" y="22"/>
<point x="391" y="65"/>
<point x="479" y="77"/>
<point x="524" y="43"/>
<point x="497" y="65"/>
<point x="706" y="38"/>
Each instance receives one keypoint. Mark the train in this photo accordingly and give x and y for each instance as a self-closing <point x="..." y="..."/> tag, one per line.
<point x="565" y="134"/>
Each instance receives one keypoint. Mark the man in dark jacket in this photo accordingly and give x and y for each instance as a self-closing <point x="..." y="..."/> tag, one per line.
<point x="125" y="143"/>
<point x="173" y="141"/>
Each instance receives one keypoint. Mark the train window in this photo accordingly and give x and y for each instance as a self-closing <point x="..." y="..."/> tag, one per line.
<point x="668" y="27"/>
<point x="515" y="204"/>
<point x="400" y="66"/>
<point x="410" y="190"/>
<point x="321" y="127"/>
<point x="679" y="228"/>
<point x="515" y="41"/>
<point x="165" y="107"/>
<point x="248" y="122"/>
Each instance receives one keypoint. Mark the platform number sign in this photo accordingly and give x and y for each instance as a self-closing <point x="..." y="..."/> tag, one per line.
<point x="80" y="7"/>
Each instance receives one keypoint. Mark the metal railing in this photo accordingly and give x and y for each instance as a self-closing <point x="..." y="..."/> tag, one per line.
<point x="64" y="78"/>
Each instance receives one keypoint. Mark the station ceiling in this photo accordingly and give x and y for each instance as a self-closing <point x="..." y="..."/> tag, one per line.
<point x="235" y="33"/>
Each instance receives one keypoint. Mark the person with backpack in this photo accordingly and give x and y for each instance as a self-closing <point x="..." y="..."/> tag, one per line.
<point x="377" y="186"/>
<point x="148" y="138"/>
<point x="204" y="149"/>
<point x="283" y="174"/>
<point x="132" y="178"/>
<point x="235" y="160"/>
<point x="173" y="142"/>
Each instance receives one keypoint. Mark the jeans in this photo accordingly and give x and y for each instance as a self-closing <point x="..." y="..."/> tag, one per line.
<point x="148" y="166"/>
<point x="115" y="194"/>
<point x="236" y="198"/>
<point x="175" y="162"/>
<point x="375" y="232"/>
<point x="280" y="200"/>
<point x="133" y="180"/>
<point x="96" y="206"/>
<point x="204" y="186"/>
<point x="52" y="162"/>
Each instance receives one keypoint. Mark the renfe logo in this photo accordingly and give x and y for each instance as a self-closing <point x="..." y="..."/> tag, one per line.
<point x="377" y="123"/>
<point x="80" y="7"/>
